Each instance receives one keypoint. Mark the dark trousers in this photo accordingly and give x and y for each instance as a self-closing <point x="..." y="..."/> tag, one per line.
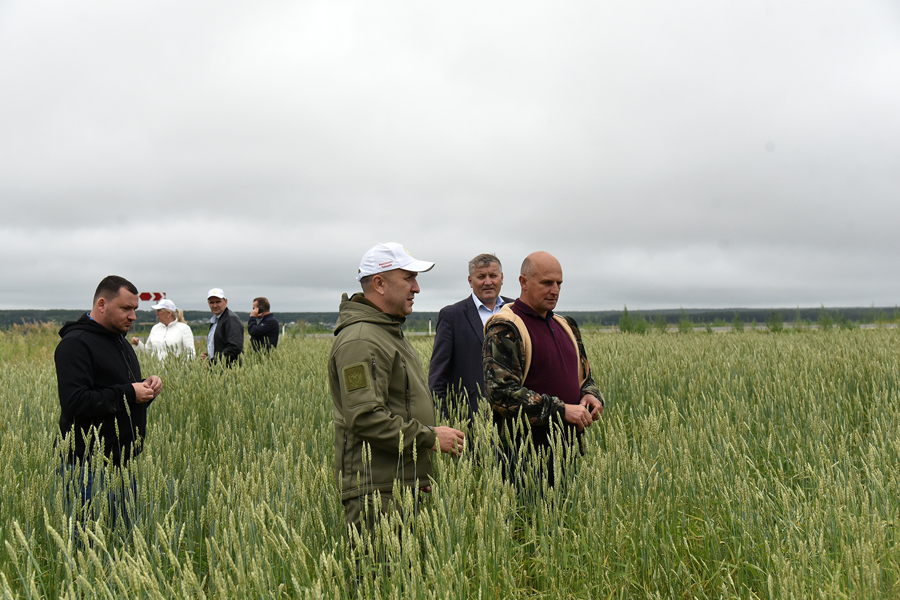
<point x="362" y="510"/>
<point x="84" y="483"/>
<point x="526" y="462"/>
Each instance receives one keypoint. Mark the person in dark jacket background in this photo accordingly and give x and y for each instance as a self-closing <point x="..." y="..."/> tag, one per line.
<point x="102" y="395"/>
<point x="225" y="340"/>
<point x="262" y="326"/>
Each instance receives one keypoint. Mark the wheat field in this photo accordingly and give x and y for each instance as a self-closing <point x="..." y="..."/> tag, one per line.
<point x="744" y="465"/>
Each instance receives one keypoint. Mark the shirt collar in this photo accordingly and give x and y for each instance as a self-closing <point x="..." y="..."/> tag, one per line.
<point x="479" y="304"/>
<point x="521" y="306"/>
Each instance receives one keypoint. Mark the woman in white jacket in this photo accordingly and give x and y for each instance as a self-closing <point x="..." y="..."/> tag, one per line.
<point x="171" y="334"/>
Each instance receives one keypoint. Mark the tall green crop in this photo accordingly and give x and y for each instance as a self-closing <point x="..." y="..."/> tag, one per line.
<point x="724" y="466"/>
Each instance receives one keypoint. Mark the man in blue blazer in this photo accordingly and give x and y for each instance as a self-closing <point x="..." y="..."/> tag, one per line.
<point x="456" y="374"/>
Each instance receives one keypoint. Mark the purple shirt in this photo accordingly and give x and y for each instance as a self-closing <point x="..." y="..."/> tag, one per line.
<point x="554" y="361"/>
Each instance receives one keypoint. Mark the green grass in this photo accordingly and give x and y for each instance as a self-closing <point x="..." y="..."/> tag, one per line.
<point x="746" y="466"/>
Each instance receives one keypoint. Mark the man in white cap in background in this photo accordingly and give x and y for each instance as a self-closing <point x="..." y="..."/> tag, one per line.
<point x="380" y="393"/>
<point x="225" y="340"/>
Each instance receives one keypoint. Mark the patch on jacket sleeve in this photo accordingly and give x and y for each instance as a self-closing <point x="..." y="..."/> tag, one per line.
<point x="355" y="377"/>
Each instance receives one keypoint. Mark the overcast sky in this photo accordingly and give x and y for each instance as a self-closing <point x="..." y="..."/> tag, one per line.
<point x="670" y="154"/>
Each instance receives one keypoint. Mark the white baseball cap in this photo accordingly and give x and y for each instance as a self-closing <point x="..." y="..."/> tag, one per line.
<point x="166" y="304"/>
<point x="216" y="292"/>
<point x="387" y="257"/>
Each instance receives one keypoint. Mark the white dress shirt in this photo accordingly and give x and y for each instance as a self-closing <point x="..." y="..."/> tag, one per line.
<point x="483" y="311"/>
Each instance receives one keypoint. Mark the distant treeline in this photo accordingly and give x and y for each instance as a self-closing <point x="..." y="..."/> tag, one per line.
<point x="310" y="322"/>
<point x="704" y="316"/>
<point x="198" y="319"/>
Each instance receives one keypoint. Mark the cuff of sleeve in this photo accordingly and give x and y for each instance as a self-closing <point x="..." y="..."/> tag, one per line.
<point x="128" y="391"/>
<point x="558" y="406"/>
<point x="430" y="438"/>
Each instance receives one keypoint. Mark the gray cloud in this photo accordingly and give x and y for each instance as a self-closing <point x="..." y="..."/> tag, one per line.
<point x="669" y="155"/>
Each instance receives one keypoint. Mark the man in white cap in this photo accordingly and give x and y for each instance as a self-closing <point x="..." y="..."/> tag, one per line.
<point x="225" y="340"/>
<point x="384" y="413"/>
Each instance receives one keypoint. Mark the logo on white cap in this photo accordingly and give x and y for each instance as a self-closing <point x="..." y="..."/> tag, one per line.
<point x="165" y="304"/>
<point x="387" y="257"/>
<point x="216" y="292"/>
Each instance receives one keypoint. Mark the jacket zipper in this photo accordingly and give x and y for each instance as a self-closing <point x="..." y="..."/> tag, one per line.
<point x="408" y="398"/>
<point x="344" y="457"/>
<point x="127" y="364"/>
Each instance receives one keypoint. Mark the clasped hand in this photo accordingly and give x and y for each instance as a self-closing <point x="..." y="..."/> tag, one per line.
<point x="584" y="413"/>
<point x="147" y="390"/>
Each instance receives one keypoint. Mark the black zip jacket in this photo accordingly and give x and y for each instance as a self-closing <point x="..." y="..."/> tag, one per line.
<point x="95" y="368"/>
<point x="228" y="339"/>
<point x="263" y="332"/>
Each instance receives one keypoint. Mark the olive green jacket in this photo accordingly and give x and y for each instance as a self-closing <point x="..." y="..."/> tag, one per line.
<point x="384" y="414"/>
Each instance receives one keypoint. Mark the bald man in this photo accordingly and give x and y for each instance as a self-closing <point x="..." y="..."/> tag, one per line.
<point x="536" y="368"/>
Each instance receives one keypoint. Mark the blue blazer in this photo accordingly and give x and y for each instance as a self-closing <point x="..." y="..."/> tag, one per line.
<point x="456" y="365"/>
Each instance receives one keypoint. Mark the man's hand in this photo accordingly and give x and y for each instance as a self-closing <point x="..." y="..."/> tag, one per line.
<point x="204" y="356"/>
<point x="449" y="440"/>
<point x="143" y="393"/>
<point x="135" y="341"/>
<point x="578" y="416"/>
<point x="590" y="402"/>
<point x="254" y="312"/>
<point x="147" y="390"/>
<point x="155" y="384"/>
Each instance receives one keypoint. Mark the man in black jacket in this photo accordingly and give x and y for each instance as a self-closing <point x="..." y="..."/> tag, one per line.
<point x="102" y="395"/>
<point x="262" y="326"/>
<point x="225" y="340"/>
<point x="99" y="378"/>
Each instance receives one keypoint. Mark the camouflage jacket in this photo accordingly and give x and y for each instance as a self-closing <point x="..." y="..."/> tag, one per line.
<point x="504" y="359"/>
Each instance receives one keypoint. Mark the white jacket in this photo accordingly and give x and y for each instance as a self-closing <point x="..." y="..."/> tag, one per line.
<point x="176" y="337"/>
